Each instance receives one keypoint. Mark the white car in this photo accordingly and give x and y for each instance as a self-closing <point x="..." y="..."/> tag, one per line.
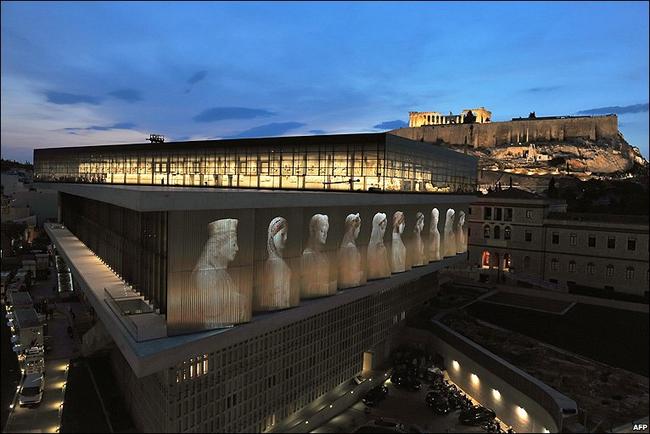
<point x="31" y="390"/>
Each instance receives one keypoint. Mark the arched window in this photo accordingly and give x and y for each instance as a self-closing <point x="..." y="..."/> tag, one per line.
<point x="526" y="262"/>
<point x="495" y="261"/>
<point x="555" y="264"/>
<point x="572" y="266"/>
<point x="591" y="268"/>
<point x="485" y="259"/>
<point x="610" y="270"/>
<point x="507" y="232"/>
<point x="506" y="261"/>
<point x="629" y="273"/>
<point x="486" y="231"/>
<point x="497" y="232"/>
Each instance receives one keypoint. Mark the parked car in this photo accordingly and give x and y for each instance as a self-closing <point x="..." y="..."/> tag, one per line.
<point x="476" y="415"/>
<point x="31" y="390"/>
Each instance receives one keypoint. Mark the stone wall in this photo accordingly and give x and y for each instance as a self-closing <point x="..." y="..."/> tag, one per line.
<point x="514" y="132"/>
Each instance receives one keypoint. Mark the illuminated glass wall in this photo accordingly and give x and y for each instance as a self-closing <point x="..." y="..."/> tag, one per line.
<point x="359" y="162"/>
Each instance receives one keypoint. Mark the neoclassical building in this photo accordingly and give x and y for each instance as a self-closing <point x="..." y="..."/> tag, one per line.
<point x="533" y="239"/>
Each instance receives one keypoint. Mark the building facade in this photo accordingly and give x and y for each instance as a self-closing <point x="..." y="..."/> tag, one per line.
<point x="419" y="119"/>
<point x="233" y="308"/>
<point x="531" y="239"/>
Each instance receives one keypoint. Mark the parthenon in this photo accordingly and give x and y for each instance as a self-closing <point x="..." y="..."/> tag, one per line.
<point x="418" y="119"/>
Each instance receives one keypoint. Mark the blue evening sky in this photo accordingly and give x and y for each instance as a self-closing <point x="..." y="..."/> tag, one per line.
<point x="97" y="73"/>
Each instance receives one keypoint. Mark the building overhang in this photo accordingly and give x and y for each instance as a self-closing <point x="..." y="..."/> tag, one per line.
<point x="151" y="356"/>
<point x="175" y="198"/>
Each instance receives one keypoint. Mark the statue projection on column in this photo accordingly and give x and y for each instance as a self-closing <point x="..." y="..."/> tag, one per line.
<point x="417" y="244"/>
<point x="450" y="237"/>
<point x="461" y="238"/>
<point x="398" y="250"/>
<point x="350" y="272"/>
<point x="315" y="264"/>
<point x="215" y="299"/>
<point x="276" y="281"/>
<point x="434" y="237"/>
<point x="378" y="266"/>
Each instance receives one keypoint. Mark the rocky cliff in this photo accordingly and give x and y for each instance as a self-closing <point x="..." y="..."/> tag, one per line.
<point x="542" y="148"/>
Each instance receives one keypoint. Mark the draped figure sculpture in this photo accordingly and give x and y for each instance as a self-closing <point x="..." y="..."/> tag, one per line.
<point x="417" y="244"/>
<point x="378" y="266"/>
<point x="315" y="263"/>
<point x="461" y="238"/>
<point x="350" y="272"/>
<point x="275" y="292"/>
<point x="398" y="250"/>
<point x="214" y="299"/>
<point x="450" y="237"/>
<point x="434" y="237"/>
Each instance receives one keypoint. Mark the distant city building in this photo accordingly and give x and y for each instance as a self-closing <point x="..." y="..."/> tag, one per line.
<point x="278" y="276"/>
<point x="531" y="239"/>
<point x="478" y="115"/>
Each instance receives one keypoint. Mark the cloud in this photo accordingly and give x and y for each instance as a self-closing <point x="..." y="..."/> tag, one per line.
<point x="391" y="125"/>
<point x="636" y="108"/>
<point x="317" y="132"/>
<point x="128" y="95"/>
<point x="198" y="76"/>
<point x="69" y="98"/>
<point x="268" y="130"/>
<point x="222" y="113"/>
<point x="543" y="89"/>
<point x="116" y="126"/>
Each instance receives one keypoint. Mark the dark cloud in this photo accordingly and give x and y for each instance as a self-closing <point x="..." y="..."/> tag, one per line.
<point x="116" y="126"/>
<point x="198" y="76"/>
<point x="128" y="95"/>
<point x="317" y="132"/>
<point x="268" y="130"/>
<point x="544" y="89"/>
<point x="636" y="108"/>
<point x="222" y="113"/>
<point x="69" y="98"/>
<point x="391" y="125"/>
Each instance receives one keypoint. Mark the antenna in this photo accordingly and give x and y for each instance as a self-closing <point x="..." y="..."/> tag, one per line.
<point x="156" y="138"/>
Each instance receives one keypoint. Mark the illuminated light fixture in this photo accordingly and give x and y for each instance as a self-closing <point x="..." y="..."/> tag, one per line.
<point x="331" y="405"/>
<point x="455" y="365"/>
<point x="474" y="378"/>
<point x="306" y="422"/>
<point x="11" y="406"/>
<point x="351" y="391"/>
<point x="496" y="394"/>
<point x="521" y="411"/>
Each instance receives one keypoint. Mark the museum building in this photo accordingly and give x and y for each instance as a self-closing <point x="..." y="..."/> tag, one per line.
<point x="237" y="281"/>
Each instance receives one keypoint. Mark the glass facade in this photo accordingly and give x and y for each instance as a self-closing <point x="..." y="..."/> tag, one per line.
<point x="358" y="162"/>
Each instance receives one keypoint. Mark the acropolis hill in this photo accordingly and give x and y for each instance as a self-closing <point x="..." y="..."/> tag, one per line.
<point x="573" y="145"/>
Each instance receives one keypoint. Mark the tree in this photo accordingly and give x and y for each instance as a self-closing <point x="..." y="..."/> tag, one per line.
<point x="469" y="117"/>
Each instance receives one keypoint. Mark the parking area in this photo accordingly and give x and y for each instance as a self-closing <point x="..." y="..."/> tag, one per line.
<point x="402" y="405"/>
